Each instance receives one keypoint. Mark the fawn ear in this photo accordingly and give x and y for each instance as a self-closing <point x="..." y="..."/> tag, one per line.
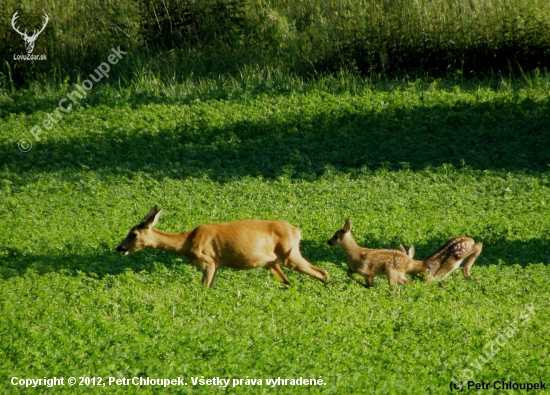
<point x="347" y="226"/>
<point x="411" y="252"/>
<point x="402" y="249"/>
<point x="151" y="219"/>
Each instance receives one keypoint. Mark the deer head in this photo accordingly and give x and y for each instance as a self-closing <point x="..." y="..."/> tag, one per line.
<point x="29" y="40"/>
<point x="140" y="235"/>
<point x="339" y="236"/>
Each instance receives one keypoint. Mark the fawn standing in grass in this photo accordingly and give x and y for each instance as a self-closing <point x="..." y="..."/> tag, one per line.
<point x="371" y="262"/>
<point x="449" y="257"/>
<point x="238" y="245"/>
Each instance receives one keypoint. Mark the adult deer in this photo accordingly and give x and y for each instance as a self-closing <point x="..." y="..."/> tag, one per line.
<point x="449" y="257"/>
<point x="369" y="262"/>
<point x="239" y="245"/>
<point x="29" y="40"/>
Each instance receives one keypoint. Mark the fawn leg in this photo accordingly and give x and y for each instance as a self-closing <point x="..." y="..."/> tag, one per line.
<point x="466" y="269"/>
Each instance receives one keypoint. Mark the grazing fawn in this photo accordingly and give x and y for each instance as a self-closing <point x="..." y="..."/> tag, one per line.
<point x="449" y="257"/>
<point x="371" y="262"/>
<point x="238" y="245"/>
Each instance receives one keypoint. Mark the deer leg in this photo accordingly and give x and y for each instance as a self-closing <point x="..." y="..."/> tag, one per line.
<point x="447" y="268"/>
<point x="392" y="277"/>
<point x="209" y="274"/>
<point x="369" y="280"/>
<point x="396" y="277"/>
<point x="402" y="279"/>
<point x="211" y="285"/>
<point x="431" y="267"/>
<point x="429" y="277"/>
<point x="350" y="273"/>
<point x="298" y="263"/>
<point x="468" y="266"/>
<point x="278" y="271"/>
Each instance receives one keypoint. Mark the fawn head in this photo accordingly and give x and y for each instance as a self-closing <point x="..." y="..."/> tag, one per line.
<point x="140" y="235"/>
<point x="409" y="253"/>
<point x="336" y="240"/>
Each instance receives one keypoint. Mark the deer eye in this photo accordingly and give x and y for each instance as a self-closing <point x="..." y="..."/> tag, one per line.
<point x="133" y="236"/>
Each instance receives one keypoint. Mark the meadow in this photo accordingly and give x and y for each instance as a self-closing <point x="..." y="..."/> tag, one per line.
<point x="408" y="162"/>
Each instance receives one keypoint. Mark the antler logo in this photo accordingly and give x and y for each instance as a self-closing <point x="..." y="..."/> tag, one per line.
<point x="29" y="40"/>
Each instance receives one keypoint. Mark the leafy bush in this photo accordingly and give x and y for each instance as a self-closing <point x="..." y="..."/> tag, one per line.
<point x="166" y="25"/>
<point x="174" y="39"/>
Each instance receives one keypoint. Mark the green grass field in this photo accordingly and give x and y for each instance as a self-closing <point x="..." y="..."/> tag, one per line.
<point x="412" y="163"/>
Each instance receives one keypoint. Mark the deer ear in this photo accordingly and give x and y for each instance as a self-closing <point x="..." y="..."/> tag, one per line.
<point x="347" y="226"/>
<point x="402" y="249"/>
<point x="152" y="218"/>
<point x="411" y="252"/>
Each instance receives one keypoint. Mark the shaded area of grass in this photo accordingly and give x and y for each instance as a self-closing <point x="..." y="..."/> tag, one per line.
<point x="302" y="137"/>
<point x="97" y="265"/>
<point x="107" y="261"/>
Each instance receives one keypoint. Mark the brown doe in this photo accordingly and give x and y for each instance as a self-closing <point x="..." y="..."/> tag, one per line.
<point x="239" y="245"/>
<point x="369" y="262"/>
<point x="449" y="257"/>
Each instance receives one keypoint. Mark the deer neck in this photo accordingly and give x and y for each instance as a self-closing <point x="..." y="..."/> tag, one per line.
<point x="172" y="242"/>
<point x="417" y="266"/>
<point x="351" y="248"/>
